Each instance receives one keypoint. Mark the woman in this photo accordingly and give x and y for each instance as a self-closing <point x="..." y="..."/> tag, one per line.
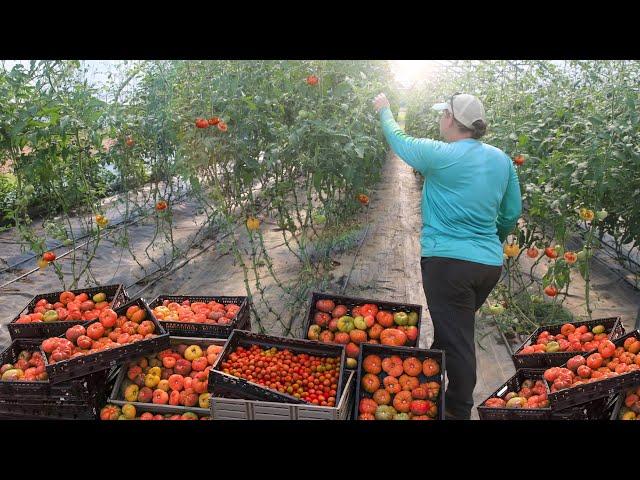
<point x="470" y="203"/>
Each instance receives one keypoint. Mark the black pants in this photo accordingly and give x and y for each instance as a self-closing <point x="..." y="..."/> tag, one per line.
<point x="455" y="290"/>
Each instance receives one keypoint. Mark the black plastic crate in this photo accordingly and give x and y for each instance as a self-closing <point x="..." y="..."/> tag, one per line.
<point x="616" y="413"/>
<point x="598" y="409"/>
<point x="242" y="321"/>
<point x="613" y="327"/>
<point x="106" y="359"/>
<point x="569" y="397"/>
<point x="44" y="410"/>
<point x="594" y="410"/>
<point x="78" y="389"/>
<point x="39" y="412"/>
<point x="117" y="396"/>
<point x="514" y="384"/>
<point x="116" y="295"/>
<point x="222" y="384"/>
<point x="403" y="352"/>
<point x="352" y="302"/>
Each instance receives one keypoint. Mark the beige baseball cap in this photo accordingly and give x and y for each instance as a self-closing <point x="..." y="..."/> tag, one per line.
<point x="466" y="109"/>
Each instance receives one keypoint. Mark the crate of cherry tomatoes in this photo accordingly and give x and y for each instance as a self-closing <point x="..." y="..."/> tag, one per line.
<point x="525" y="397"/>
<point x="628" y="405"/>
<point x="51" y="314"/>
<point x="253" y="366"/>
<point x="23" y="378"/>
<point x="173" y="381"/>
<point x="588" y="376"/>
<point x="354" y="321"/>
<point x="202" y="316"/>
<point x="553" y="345"/>
<point x="125" y="333"/>
<point x="231" y="408"/>
<point x="399" y="383"/>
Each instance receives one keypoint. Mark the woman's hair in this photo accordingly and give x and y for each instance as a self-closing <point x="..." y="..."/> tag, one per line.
<point x="478" y="130"/>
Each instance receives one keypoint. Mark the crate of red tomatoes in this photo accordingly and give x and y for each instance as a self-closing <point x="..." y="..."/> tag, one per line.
<point x="614" y="367"/>
<point x="353" y="321"/>
<point x="51" y="314"/>
<point x="400" y="383"/>
<point x="23" y="378"/>
<point x="172" y="381"/>
<point x="202" y="316"/>
<point x="127" y="332"/>
<point x="525" y="397"/>
<point x="253" y="366"/>
<point x="553" y="345"/>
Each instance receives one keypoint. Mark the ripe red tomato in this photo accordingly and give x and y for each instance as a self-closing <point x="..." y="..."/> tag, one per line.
<point x="95" y="331"/>
<point x="551" y="252"/>
<point x="108" y="318"/>
<point x="84" y="342"/>
<point x="519" y="160"/>
<point x="161" y="205"/>
<point x="532" y="252"/>
<point x="201" y="123"/>
<point x="607" y="349"/>
<point x="49" y="257"/>
<point x="551" y="291"/>
<point x="594" y="361"/>
<point x="214" y="121"/>
<point x="312" y="80"/>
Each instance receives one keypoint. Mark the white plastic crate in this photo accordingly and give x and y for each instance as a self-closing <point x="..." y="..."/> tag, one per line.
<point x="237" y="409"/>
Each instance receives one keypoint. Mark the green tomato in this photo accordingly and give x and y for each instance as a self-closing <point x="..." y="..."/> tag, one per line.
<point x="29" y="190"/>
<point x="317" y="218"/>
<point x="602" y="214"/>
<point x="496" y="309"/>
<point x="50" y="316"/>
<point x="67" y="242"/>
<point x="401" y="318"/>
<point x="536" y="299"/>
<point x="559" y="250"/>
<point x="552" y="347"/>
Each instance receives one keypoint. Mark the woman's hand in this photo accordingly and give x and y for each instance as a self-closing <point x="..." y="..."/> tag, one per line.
<point x="380" y="102"/>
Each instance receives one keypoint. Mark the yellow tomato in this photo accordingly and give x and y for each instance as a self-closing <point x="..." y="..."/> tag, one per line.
<point x="511" y="250"/>
<point x="253" y="223"/>
<point x="586" y="214"/>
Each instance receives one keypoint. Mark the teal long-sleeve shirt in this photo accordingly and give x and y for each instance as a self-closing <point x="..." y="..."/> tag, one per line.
<point x="470" y="198"/>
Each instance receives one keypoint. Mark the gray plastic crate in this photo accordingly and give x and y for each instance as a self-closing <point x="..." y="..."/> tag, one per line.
<point x="238" y="409"/>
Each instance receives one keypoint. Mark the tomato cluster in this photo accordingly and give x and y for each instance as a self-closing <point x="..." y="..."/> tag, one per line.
<point x="212" y="313"/>
<point x="307" y="377"/>
<point x="532" y="394"/>
<point x="570" y="339"/>
<point x="213" y="121"/>
<point x="607" y="362"/>
<point x="631" y="408"/>
<point x="110" y="331"/>
<point x="175" y="376"/>
<point x="128" y="412"/>
<point x="29" y="367"/>
<point x="70" y="307"/>
<point x="363" y="324"/>
<point x="398" y="395"/>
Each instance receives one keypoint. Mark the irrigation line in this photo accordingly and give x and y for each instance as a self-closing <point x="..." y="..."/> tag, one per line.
<point x="112" y="228"/>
